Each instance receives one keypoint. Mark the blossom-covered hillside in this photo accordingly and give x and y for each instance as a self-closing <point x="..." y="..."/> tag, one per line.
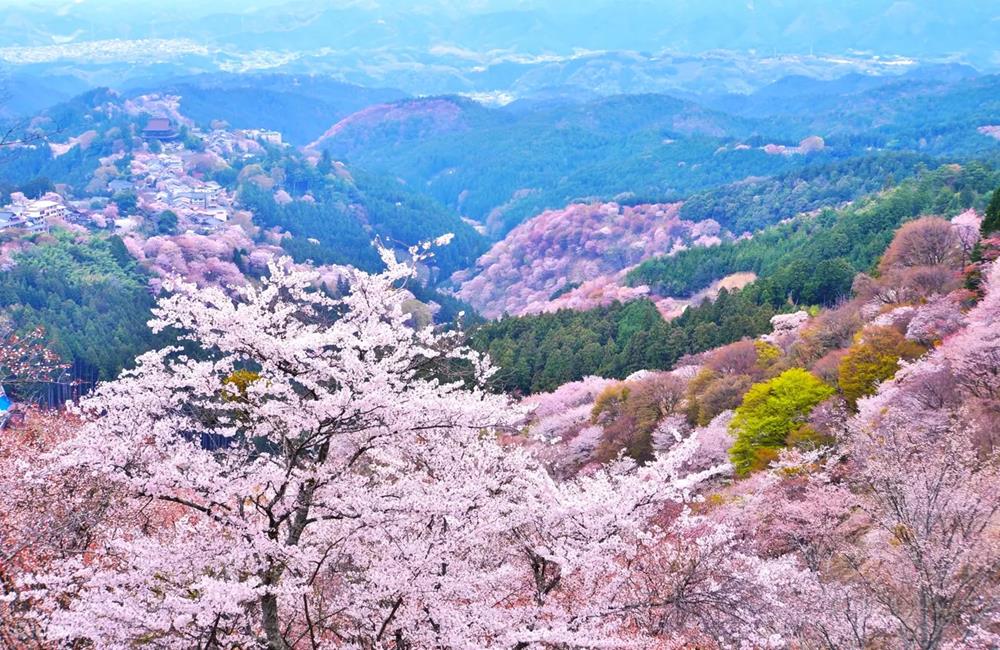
<point x="575" y="256"/>
<point x="830" y="484"/>
<point x="527" y="356"/>
<point x="876" y="470"/>
<point x="410" y="117"/>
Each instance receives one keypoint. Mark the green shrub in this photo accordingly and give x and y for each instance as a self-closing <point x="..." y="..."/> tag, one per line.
<point x="770" y="411"/>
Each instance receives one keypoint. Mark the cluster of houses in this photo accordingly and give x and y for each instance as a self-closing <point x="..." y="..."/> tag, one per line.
<point x="270" y="137"/>
<point x="32" y="215"/>
<point x="159" y="182"/>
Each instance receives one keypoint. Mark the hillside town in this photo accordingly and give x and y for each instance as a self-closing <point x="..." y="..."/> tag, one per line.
<point x="164" y="175"/>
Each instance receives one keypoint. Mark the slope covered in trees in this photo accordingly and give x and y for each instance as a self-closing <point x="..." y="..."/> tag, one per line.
<point x="501" y="166"/>
<point x="97" y="122"/>
<point x="342" y="210"/>
<point x="889" y="501"/>
<point x="253" y="488"/>
<point x="334" y="218"/>
<point x="555" y="252"/>
<point x="773" y="386"/>
<point x="541" y="352"/>
<point x="90" y="298"/>
<point x="930" y="109"/>
<point x="750" y="205"/>
<point x="810" y="261"/>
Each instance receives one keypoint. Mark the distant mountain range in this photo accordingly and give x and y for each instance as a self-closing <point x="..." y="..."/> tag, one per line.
<point x="493" y="49"/>
<point x="913" y="28"/>
<point x="502" y="165"/>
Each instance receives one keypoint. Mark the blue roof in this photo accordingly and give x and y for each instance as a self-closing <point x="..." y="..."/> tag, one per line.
<point x="4" y="403"/>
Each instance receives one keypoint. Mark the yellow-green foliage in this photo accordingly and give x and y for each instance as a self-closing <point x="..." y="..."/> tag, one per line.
<point x="609" y="402"/>
<point x="872" y="359"/>
<point x="767" y="354"/>
<point x="234" y="387"/>
<point x="770" y="411"/>
<point x="728" y="374"/>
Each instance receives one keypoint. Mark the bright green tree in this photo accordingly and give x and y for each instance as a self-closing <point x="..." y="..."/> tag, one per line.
<point x="770" y="411"/>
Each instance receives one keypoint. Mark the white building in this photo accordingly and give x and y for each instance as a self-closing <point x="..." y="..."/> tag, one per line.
<point x="43" y="210"/>
<point x="272" y="137"/>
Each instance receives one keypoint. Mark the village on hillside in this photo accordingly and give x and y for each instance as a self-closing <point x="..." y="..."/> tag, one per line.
<point x="159" y="184"/>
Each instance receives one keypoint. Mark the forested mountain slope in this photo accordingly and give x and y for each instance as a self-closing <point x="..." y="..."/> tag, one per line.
<point x="636" y="146"/>
<point x="88" y="295"/>
<point x="654" y="147"/>
<point x="809" y="261"/>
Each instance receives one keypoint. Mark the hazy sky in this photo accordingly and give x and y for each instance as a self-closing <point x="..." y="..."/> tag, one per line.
<point x="960" y="29"/>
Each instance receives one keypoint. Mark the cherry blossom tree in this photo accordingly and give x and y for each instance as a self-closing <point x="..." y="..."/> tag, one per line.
<point x="967" y="226"/>
<point x="559" y="425"/>
<point x="935" y="320"/>
<point x="931" y="557"/>
<point x="303" y="471"/>
<point x="974" y="353"/>
<point x="44" y="517"/>
<point x="289" y="441"/>
<point x="309" y="472"/>
<point x="26" y="361"/>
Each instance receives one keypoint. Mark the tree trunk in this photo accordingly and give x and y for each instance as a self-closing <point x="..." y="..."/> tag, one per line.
<point x="272" y="627"/>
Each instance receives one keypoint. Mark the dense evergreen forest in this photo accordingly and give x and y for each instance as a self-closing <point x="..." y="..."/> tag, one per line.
<point x="541" y="352"/>
<point x="90" y="297"/>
